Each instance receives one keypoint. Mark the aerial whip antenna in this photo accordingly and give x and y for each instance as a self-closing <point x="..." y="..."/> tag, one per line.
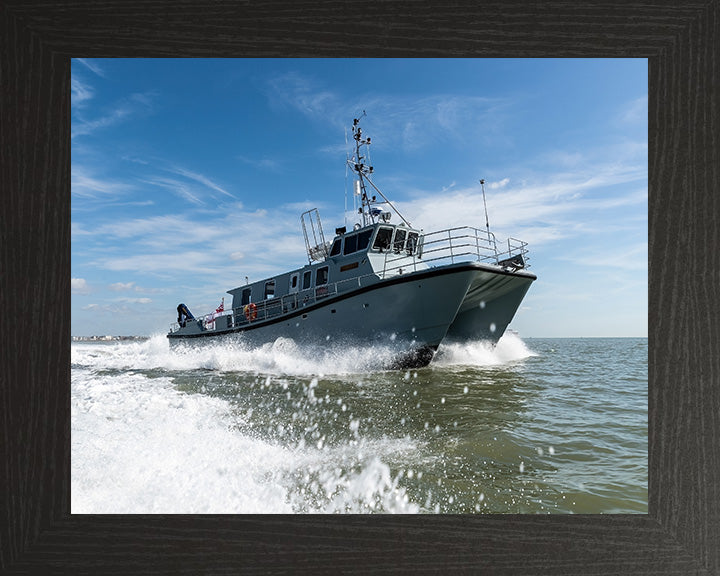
<point x="487" y="222"/>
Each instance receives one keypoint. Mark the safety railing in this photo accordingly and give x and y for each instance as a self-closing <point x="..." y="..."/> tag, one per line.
<point x="462" y="244"/>
<point x="275" y="307"/>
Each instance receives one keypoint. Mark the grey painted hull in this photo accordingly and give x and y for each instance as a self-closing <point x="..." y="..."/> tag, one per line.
<point x="489" y="305"/>
<point x="411" y="314"/>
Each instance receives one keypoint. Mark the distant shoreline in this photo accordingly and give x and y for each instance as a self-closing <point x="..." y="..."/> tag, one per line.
<point x="107" y="338"/>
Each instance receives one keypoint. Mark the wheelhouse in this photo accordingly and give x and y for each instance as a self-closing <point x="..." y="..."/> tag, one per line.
<point x="378" y="238"/>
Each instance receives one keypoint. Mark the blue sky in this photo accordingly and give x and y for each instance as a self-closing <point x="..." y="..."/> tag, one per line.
<point x="189" y="175"/>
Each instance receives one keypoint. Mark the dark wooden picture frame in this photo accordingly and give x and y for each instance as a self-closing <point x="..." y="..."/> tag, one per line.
<point x="681" y="532"/>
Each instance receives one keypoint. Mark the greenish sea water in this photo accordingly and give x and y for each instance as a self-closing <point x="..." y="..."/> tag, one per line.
<point x="531" y="426"/>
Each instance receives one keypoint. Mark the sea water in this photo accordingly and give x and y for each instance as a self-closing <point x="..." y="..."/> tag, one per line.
<point x="529" y="426"/>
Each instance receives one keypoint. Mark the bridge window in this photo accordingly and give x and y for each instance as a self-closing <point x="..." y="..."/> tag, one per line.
<point x="350" y="244"/>
<point x="307" y="276"/>
<point x="335" y="250"/>
<point x="364" y="239"/>
<point x="383" y="238"/>
<point x="399" y="243"/>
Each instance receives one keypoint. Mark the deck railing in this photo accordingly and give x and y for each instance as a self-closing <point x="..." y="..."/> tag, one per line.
<point x="462" y="244"/>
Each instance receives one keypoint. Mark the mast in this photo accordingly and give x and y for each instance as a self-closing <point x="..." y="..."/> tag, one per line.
<point x="370" y="213"/>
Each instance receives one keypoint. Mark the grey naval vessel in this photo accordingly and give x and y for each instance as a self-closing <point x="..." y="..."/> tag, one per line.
<point x="382" y="282"/>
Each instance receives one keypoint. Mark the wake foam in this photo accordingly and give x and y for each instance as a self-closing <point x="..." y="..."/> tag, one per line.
<point x="510" y="348"/>
<point x="140" y="446"/>
<point x="284" y="356"/>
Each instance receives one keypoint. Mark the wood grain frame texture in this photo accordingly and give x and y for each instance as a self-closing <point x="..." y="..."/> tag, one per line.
<point x="681" y="533"/>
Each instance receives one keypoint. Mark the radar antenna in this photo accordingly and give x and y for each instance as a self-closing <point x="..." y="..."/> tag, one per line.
<point x="368" y="209"/>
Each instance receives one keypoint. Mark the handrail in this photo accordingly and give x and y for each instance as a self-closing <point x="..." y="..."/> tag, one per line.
<point x="459" y="244"/>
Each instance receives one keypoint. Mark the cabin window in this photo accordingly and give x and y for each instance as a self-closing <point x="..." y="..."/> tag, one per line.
<point x="399" y="243"/>
<point x="412" y="241"/>
<point x="322" y="276"/>
<point x="382" y="240"/>
<point x="269" y="289"/>
<point x="246" y="296"/>
<point x="306" y="279"/>
<point x="335" y="250"/>
<point x="364" y="239"/>
<point x="350" y="244"/>
<point x="294" y="280"/>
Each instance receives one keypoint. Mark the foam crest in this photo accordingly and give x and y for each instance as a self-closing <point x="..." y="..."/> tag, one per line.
<point x="510" y="348"/>
<point x="284" y="356"/>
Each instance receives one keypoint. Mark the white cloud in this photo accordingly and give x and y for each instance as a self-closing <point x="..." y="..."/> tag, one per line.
<point x="135" y="300"/>
<point x="559" y="207"/>
<point x="79" y="286"/>
<point x="501" y="184"/>
<point x="121" y="287"/>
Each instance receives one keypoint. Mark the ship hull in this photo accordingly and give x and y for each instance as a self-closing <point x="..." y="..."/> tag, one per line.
<point x="408" y="314"/>
<point x="489" y="305"/>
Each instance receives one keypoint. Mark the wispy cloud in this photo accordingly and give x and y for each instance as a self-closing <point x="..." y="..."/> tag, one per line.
<point x="177" y="187"/>
<point x="80" y="92"/>
<point x="303" y="93"/>
<point x="538" y="212"/>
<point x="636" y="112"/>
<point x="85" y="185"/>
<point x="406" y="121"/>
<point x="204" y="180"/>
<point x="134" y="104"/>
<point x="191" y="186"/>
<point x="91" y="65"/>
<point x="632" y="258"/>
<point x="270" y="164"/>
